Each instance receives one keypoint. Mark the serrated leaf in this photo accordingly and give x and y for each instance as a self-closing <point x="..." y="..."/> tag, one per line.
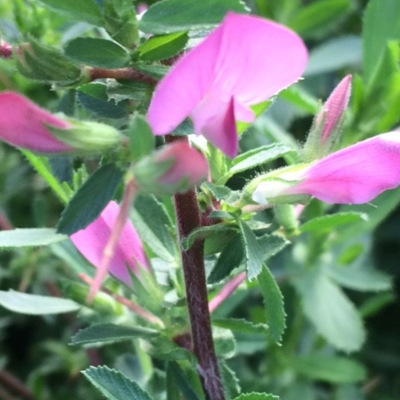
<point x="224" y="343"/>
<point x="161" y="47"/>
<point x="256" y="396"/>
<point x="182" y="381"/>
<point x="273" y="304"/>
<point x="90" y="200"/>
<point x="151" y="221"/>
<point x="259" y="156"/>
<point x="175" y="16"/>
<point x="32" y="304"/>
<point x="114" y="385"/>
<point x="29" y="237"/>
<point x="327" y="368"/>
<point x="381" y="24"/>
<point x="110" y="333"/>
<point x="230" y="258"/>
<point x="253" y="251"/>
<point x="97" y="52"/>
<point x="271" y="245"/>
<point x="231" y="383"/>
<point x="88" y="10"/>
<point x="332" y="313"/>
<point x="240" y="325"/>
<point x="328" y="222"/>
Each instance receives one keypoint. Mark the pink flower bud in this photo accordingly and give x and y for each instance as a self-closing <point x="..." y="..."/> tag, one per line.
<point x="334" y="107"/>
<point x="129" y="253"/>
<point x="243" y="62"/>
<point x="354" y="175"/>
<point x="176" y="167"/>
<point x="23" y="124"/>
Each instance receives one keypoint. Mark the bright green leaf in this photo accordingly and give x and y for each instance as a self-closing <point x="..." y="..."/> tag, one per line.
<point x="175" y="16"/>
<point x="114" y="385"/>
<point x="141" y="138"/>
<point x="256" y="396"/>
<point x="32" y="304"/>
<point x="273" y="304"/>
<point x="328" y="222"/>
<point x="29" y="237"/>
<point x="97" y="52"/>
<point x="327" y="368"/>
<point x="110" y="333"/>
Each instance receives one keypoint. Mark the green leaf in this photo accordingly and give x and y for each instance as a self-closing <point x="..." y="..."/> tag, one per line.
<point x="154" y="227"/>
<point x="256" y="396"/>
<point x="110" y="333"/>
<point x="97" y="52"/>
<point x="205" y="232"/>
<point x="298" y="96"/>
<point x="175" y="16"/>
<point x="86" y="10"/>
<point x="113" y="385"/>
<point x="240" y="325"/>
<point x="141" y="138"/>
<point x="381" y="24"/>
<point x="229" y="380"/>
<point x="332" y="313"/>
<point x="253" y="251"/>
<point x="331" y="369"/>
<point x="362" y="278"/>
<point x="327" y="223"/>
<point x="317" y="18"/>
<point x="94" y="97"/>
<point x="273" y="303"/>
<point x="29" y="237"/>
<point x="259" y="156"/>
<point x="230" y="258"/>
<point x="224" y="343"/>
<point x="335" y="54"/>
<point x="271" y="245"/>
<point x="31" y="304"/>
<point x="90" y="200"/>
<point x="182" y="382"/>
<point x="161" y="47"/>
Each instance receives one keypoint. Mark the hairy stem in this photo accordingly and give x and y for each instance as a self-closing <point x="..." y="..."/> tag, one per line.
<point x="188" y="219"/>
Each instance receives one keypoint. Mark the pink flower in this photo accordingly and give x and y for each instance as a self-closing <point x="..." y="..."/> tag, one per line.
<point x="176" y="167"/>
<point x="129" y="253"/>
<point x="243" y="62"/>
<point x="23" y="124"/>
<point x="354" y="175"/>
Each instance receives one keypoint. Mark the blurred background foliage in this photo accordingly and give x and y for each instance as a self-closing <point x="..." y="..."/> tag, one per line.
<point x="35" y="359"/>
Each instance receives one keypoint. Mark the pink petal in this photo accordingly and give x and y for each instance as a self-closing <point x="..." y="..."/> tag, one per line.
<point x="356" y="174"/>
<point x="246" y="58"/>
<point x="23" y="124"/>
<point x="91" y="242"/>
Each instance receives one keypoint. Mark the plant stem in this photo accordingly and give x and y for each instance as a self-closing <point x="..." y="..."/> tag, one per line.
<point x="121" y="73"/>
<point x="188" y="219"/>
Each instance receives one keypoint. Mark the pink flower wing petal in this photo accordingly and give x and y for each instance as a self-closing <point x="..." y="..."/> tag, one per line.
<point x="92" y="240"/>
<point x="23" y="124"/>
<point x="356" y="174"/>
<point x="258" y="58"/>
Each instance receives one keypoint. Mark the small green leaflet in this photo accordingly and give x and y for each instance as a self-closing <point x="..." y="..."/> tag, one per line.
<point x="328" y="222"/>
<point x="257" y="396"/>
<point x="29" y="237"/>
<point x="114" y="385"/>
<point x="32" y="304"/>
<point x="110" y="333"/>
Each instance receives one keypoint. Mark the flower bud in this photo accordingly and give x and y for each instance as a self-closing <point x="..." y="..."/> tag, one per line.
<point x="24" y="124"/>
<point x="328" y="122"/>
<point x="175" y="168"/>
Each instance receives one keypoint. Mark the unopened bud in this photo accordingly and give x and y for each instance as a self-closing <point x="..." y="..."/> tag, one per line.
<point x="328" y="122"/>
<point x="175" y="168"/>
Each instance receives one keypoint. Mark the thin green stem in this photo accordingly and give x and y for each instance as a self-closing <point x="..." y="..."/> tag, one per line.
<point x="43" y="169"/>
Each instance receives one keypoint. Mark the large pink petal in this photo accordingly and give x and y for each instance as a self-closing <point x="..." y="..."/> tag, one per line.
<point x="23" y="124"/>
<point x="246" y="58"/>
<point x="257" y="58"/>
<point x="92" y="240"/>
<point x="356" y="174"/>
